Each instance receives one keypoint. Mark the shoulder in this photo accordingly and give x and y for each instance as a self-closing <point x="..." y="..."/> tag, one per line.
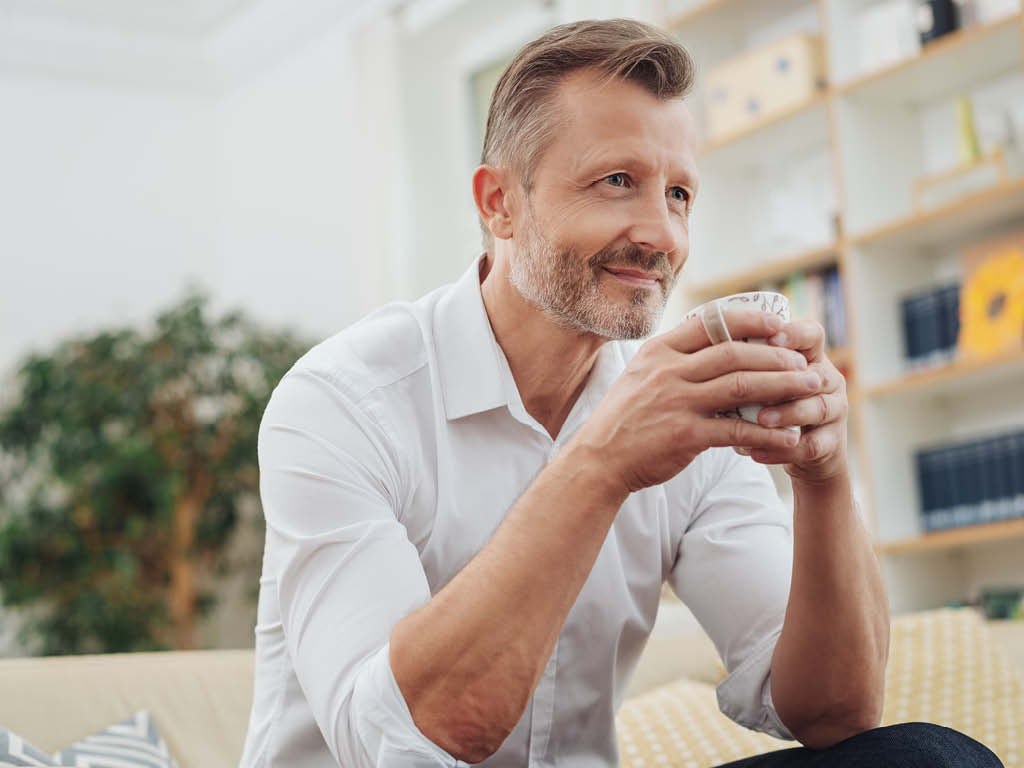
<point x="386" y="346"/>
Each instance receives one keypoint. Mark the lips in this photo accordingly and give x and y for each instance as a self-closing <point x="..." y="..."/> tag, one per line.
<point x="634" y="276"/>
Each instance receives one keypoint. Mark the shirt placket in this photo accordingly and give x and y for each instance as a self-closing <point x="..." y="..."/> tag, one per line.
<point x="543" y="713"/>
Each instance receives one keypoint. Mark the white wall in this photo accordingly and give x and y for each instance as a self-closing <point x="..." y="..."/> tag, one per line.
<point x="274" y="192"/>
<point x="103" y="206"/>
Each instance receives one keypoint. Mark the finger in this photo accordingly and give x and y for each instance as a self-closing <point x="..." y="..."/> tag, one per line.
<point x="823" y="408"/>
<point x="712" y="362"/>
<point x="749" y="387"/>
<point x="802" y="335"/>
<point x="815" y="445"/>
<point x="738" y="432"/>
<point x="690" y="336"/>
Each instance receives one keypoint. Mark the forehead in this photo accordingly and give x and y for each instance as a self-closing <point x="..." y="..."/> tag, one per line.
<point x="621" y="121"/>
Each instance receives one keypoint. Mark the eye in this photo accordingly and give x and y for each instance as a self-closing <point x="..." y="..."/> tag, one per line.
<point x="616" y="179"/>
<point x="679" y="194"/>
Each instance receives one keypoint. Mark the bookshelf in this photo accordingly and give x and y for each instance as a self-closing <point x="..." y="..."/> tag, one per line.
<point x="869" y="136"/>
<point x="958" y="376"/>
<point x="955" y="537"/>
<point x="773" y="269"/>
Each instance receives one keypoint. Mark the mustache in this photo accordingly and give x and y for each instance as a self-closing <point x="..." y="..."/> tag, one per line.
<point x="634" y="255"/>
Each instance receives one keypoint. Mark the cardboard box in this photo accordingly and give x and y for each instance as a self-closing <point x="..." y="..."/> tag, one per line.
<point x="762" y="83"/>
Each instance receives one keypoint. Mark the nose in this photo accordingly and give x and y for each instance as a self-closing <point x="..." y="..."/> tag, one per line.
<point x="658" y="228"/>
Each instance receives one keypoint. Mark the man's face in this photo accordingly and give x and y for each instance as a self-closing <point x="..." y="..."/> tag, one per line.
<point x="604" y="232"/>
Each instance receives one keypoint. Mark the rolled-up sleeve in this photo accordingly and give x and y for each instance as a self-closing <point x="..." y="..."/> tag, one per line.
<point x="733" y="570"/>
<point x="346" y="572"/>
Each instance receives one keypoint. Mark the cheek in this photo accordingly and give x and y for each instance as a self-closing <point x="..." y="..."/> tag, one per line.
<point x="595" y="227"/>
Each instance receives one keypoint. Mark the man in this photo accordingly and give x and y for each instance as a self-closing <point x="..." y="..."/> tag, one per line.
<point x="473" y="500"/>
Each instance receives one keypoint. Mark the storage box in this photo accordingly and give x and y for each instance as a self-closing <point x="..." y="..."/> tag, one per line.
<point x="762" y="83"/>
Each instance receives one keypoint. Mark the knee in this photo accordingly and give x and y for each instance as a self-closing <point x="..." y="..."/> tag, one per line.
<point x="935" y="746"/>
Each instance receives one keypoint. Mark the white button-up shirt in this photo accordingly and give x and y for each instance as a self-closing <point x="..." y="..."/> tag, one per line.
<point x="389" y="454"/>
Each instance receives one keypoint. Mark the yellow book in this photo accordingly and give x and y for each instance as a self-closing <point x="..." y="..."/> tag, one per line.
<point x="968" y="149"/>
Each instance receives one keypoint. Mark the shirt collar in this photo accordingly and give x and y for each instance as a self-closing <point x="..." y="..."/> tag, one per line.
<point x="467" y="351"/>
<point x="474" y="373"/>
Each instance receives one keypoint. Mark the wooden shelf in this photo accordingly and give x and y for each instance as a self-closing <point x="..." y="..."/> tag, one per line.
<point x="954" y="537"/>
<point x="947" y="65"/>
<point x="935" y="226"/>
<point x="947" y="377"/>
<point x="780" y="120"/>
<point x="776" y="269"/>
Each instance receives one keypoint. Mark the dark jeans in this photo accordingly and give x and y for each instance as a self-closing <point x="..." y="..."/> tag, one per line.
<point x="908" y="745"/>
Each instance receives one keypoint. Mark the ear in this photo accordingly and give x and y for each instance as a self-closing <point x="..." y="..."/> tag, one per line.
<point x="490" y="192"/>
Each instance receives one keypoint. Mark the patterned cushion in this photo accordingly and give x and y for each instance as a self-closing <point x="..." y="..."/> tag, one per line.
<point x="943" y="668"/>
<point x="132" y="743"/>
<point x="16" y="751"/>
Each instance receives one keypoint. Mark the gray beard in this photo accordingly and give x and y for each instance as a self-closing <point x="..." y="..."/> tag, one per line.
<point x="568" y="291"/>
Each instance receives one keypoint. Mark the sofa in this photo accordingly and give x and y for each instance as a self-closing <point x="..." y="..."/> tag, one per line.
<point x="946" y="666"/>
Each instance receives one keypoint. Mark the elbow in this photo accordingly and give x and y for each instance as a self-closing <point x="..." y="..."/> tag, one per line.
<point x="467" y="730"/>
<point x="838" y="724"/>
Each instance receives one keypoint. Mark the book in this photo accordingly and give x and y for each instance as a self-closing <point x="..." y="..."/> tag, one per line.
<point x="928" y="467"/>
<point x="794" y="290"/>
<point x="1017" y="469"/>
<point x="949" y="318"/>
<point x="971" y="482"/>
<point x="911" y="343"/>
<point x="949" y="488"/>
<point x="835" y="309"/>
<point x="1002" y="487"/>
<point x="814" y="292"/>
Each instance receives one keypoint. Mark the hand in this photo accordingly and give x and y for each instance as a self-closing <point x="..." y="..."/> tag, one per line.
<point x="660" y="413"/>
<point x="822" y="416"/>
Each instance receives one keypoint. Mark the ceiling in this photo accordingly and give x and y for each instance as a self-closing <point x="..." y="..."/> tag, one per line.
<point x="145" y="17"/>
<point x="203" y="46"/>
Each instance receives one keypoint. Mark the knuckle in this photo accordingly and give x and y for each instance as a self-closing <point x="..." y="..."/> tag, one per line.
<point x="739" y="386"/>
<point x="737" y="431"/>
<point x="813" y="447"/>
<point x="648" y="349"/>
<point x="785" y="358"/>
<point x="730" y="354"/>
<point x="683" y="432"/>
<point x="823" y="406"/>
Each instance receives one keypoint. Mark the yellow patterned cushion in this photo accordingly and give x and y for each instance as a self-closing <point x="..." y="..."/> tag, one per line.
<point x="944" y="668"/>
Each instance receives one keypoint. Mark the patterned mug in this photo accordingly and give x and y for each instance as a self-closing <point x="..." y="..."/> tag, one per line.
<point x="714" y="323"/>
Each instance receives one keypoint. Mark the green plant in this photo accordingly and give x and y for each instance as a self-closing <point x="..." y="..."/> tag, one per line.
<point x="124" y="460"/>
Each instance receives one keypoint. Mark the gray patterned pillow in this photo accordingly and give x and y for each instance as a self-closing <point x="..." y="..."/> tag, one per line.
<point x="16" y="751"/>
<point x="134" y="742"/>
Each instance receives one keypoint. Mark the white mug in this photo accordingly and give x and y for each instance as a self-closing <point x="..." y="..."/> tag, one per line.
<point x="714" y="323"/>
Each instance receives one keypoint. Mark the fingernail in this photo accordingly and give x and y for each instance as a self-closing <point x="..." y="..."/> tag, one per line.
<point x="799" y="361"/>
<point x="812" y="380"/>
<point x="770" y="418"/>
<point x="742" y="451"/>
<point x="779" y="339"/>
<point x="774" y="322"/>
<point x="792" y="438"/>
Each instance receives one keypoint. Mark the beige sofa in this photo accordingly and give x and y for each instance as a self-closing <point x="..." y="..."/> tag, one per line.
<point x="945" y="666"/>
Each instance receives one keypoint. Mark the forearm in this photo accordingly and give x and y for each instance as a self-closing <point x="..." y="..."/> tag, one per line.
<point x="828" y="669"/>
<point x="469" y="659"/>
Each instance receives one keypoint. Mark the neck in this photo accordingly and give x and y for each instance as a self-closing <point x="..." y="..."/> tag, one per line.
<point x="549" y="383"/>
